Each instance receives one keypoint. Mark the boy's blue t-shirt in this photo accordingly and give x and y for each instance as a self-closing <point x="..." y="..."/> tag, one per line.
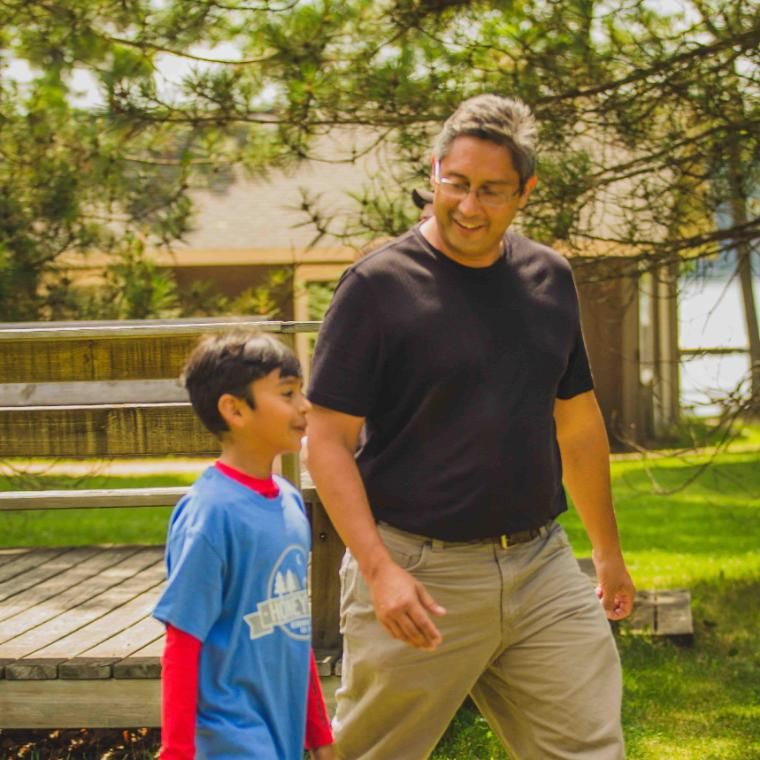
<point x="237" y="581"/>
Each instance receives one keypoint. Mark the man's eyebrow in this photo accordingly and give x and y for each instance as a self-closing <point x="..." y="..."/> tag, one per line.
<point x="487" y="182"/>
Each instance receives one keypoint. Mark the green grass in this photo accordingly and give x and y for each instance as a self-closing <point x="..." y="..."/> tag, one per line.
<point x="696" y="432"/>
<point x="698" y="703"/>
<point x="683" y="526"/>
<point x="76" y="527"/>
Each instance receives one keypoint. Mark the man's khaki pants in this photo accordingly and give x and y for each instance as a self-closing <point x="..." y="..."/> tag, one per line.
<point x="524" y="635"/>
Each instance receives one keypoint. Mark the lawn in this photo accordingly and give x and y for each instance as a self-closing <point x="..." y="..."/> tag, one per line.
<point x="683" y="525"/>
<point x="74" y="527"/>
<point x="699" y="703"/>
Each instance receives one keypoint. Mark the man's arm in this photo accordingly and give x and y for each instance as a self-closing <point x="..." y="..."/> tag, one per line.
<point x="401" y="603"/>
<point x="585" y="454"/>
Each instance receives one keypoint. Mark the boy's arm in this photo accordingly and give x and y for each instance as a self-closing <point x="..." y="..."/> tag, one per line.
<point x="179" y="694"/>
<point x="318" y="732"/>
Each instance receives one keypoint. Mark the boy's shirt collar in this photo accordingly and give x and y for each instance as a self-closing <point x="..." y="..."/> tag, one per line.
<point x="266" y="487"/>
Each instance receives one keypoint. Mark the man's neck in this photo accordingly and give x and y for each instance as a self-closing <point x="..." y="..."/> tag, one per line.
<point x="429" y="230"/>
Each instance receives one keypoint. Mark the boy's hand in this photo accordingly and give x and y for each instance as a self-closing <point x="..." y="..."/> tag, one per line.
<point x="323" y="753"/>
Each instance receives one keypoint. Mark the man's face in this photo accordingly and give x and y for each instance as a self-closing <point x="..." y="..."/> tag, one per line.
<point x="467" y="229"/>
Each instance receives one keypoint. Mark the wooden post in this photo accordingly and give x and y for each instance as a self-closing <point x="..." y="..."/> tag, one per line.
<point x="327" y="553"/>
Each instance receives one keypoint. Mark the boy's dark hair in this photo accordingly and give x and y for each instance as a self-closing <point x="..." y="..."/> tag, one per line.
<point x="229" y="363"/>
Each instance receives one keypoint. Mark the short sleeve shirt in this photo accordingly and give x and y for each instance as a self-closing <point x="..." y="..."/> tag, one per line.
<point x="237" y="581"/>
<point x="455" y="370"/>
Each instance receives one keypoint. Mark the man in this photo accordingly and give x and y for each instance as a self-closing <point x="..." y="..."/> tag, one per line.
<point x="457" y="350"/>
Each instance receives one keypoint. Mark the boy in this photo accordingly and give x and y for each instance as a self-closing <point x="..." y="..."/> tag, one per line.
<point x="237" y="663"/>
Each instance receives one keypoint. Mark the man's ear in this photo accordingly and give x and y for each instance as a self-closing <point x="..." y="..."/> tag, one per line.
<point x="229" y="408"/>
<point x="530" y="183"/>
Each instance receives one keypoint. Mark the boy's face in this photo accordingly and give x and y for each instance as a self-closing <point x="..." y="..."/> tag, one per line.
<point x="278" y="422"/>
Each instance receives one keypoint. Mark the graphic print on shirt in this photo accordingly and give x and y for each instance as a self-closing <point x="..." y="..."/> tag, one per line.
<point x="288" y="602"/>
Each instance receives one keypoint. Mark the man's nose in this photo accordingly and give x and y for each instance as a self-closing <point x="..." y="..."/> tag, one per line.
<point x="470" y="204"/>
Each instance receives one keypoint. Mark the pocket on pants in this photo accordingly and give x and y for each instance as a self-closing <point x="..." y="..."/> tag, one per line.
<point x="408" y="553"/>
<point x="355" y="595"/>
<point x="559" y="536"/>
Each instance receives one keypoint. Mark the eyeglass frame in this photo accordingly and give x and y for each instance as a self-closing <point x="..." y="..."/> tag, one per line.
<point x="461" y="190"/>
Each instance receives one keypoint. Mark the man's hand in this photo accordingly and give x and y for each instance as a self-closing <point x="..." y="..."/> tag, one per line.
<point x="402" y="605"/>
<point x="615" y="587"/>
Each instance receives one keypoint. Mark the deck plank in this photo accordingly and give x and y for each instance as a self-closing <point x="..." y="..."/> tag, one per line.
<point x="145" y="662"/>
<point x="58" y="585"/>
<point x="72" y="704"/>
<point x="643" y="619"/>
<point x="656" y="613"/>
<point x="154" y="649"/>
<point x="10" y="554"/>
<point x="119" y="564"/>
<point x="86" y="668"/>
<point x="27" y="559"/>
<point x="674" y="618"/>
<point x="128" y="640"/>
<point x="36" y="578"/>
<point x="98" y="661"/>
<point x="138" y="667"/>
<point x="121" y="615"/>
<point x="46" y="636"/>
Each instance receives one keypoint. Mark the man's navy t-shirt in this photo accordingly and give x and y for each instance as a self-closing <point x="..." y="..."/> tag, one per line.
<point x="456" y="370"/>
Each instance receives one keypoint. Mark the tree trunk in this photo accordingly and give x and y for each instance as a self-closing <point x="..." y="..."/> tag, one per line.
<point x="744" y="270"/>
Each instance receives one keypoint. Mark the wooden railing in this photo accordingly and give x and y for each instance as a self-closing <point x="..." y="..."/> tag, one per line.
<point x="102" y="391"/>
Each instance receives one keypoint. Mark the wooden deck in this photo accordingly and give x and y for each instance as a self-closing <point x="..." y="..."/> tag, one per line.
<point x="79" y="620"/>
<point x="76" y="627"/>
<point x="78" y="646"/>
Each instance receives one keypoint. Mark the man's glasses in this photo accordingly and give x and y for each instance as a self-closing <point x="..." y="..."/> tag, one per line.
<point x="487" y="195"/>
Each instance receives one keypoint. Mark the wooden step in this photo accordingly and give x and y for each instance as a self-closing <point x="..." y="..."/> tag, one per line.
<point x="659" y="612"/>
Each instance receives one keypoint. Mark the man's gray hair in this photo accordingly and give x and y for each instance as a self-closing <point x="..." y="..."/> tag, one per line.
<point x="505" y="121"/>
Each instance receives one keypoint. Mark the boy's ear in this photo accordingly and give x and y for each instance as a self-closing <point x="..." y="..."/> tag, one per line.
<point x="229" y="408"/>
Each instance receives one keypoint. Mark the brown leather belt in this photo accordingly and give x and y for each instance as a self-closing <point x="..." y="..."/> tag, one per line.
<point x="523" y="536"/>
<point x="505" y="540"/>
